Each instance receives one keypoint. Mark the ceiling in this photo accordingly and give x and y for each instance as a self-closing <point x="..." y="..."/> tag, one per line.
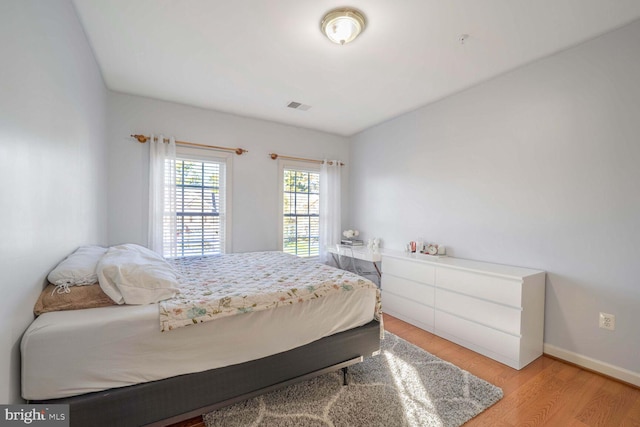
<point x="252" y="57"/>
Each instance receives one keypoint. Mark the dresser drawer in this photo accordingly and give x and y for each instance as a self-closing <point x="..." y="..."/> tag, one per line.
<point x="407" y="310"/>
<point x="492" y="288"/>
<point x="481" y="336"/>
<point x="412" y="270"/>
<point x="414" y="291"/>
<point x="497" y="316"/>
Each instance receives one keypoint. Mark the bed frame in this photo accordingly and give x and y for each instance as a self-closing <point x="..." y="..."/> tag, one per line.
<point x="171" y="400"/>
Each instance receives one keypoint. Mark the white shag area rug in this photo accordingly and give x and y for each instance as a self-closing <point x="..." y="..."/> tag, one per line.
<point x="403" y="386"/>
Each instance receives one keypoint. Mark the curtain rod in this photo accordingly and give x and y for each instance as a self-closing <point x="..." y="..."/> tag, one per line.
<point x="275" y="156"/>
<point x="143" y="138"/>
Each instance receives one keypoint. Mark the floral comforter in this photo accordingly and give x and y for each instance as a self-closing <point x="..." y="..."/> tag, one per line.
<point x="226" y="285"/>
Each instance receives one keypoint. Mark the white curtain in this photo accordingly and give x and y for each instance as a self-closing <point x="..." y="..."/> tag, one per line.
<point x="329" y="207"/>
<point x="162" y="196"/>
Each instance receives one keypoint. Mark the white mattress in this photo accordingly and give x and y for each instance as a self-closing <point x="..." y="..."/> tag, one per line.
<point x="68" y="353"/>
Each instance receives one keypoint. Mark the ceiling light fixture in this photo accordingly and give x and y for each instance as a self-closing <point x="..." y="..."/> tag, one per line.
<point x="343" y="25"/>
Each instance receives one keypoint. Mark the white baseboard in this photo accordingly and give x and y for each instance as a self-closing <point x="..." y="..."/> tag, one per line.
<point x="594" y="365"/>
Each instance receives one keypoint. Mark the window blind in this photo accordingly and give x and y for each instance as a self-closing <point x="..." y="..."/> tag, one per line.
<point x="301" y="221"/>
<point x="200" y="207"/>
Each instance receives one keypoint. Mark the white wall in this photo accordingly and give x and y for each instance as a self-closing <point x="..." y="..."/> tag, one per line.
<point x="255" y="176"/>
<point x="52" y="160"/>
<point x="539" y="168"/>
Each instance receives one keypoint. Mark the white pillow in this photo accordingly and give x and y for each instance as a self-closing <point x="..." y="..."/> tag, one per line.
<point x="132" y="274"/>
<point x="79" y="268"/>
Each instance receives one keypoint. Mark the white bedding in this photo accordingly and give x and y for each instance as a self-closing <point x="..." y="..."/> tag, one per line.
<point x="67" y="353"/>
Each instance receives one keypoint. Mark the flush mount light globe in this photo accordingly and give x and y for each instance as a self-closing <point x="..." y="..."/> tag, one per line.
<point x="343" y="25"/>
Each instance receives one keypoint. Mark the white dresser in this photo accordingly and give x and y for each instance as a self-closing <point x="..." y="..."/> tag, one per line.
<point x="496" y="310"/>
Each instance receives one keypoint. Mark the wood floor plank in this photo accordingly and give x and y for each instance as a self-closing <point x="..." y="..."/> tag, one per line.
<point x="628" y="400"/>
<point x="609" y="405"/>
<point x="558" y="398"/>
<point x="572" y="423"/>
<point x="578" y="392"/>
<point x="633" y="415"/>
<point x="524" y="403"/>
<point x="547" y="392"/>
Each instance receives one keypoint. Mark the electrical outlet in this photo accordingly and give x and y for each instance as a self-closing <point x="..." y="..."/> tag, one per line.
<point x="607" y="321"/>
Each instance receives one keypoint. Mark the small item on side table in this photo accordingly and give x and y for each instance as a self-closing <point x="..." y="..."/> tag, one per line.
<point x="373" y="244"/>
<point x="350" y="238"/>
<point x="432" y="249"/>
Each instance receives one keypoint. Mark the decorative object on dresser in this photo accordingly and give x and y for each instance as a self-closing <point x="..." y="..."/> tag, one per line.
<point x="425" y="248"/>
<point x="496" y="310"/>
<point x="433" y="249"/>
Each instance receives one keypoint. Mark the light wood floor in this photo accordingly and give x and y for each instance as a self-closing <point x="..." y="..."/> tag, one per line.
<point x="547" y="392"/>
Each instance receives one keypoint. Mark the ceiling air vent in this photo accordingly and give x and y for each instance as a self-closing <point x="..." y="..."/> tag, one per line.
<point x="298" y="106"/>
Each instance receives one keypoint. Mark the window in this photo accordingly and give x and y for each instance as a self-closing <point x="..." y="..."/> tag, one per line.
<point x="201" y="203"/>
<point x="301" y="211"/>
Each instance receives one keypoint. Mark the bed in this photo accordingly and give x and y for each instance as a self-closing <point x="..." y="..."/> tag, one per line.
<point x="127" y="365"/>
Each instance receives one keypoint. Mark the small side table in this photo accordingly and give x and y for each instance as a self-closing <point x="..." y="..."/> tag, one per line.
<point x="356" y="252"/>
